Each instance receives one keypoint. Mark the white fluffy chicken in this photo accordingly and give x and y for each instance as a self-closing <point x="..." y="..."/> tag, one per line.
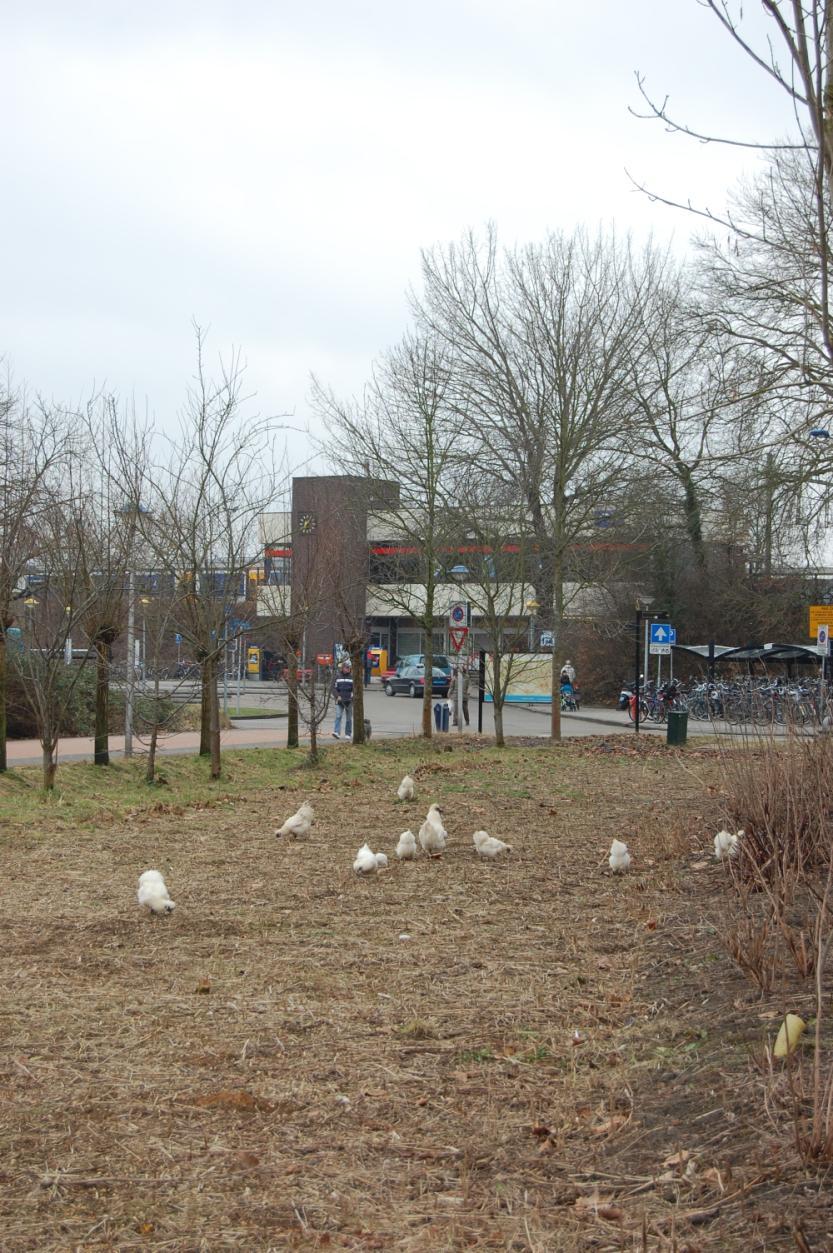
<point x="726" y="844"/>
<point x="406" y="848"/>
<point x="153" y="893"/>
<point x="299" y="824"/>
<point x="407" y="789"/>
<point x="432" y="833"/>
<point x="487" y="846"/>
<point x="366" y="861"/>
<point x="381" y="861"/>
<point x="619" y="859"/>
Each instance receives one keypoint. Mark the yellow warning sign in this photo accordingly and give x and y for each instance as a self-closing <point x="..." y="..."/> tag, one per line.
<point x="820" y="615"/>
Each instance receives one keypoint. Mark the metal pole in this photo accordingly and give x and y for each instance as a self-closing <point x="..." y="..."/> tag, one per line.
<point x="459" y="696"/>
<point x="645" y="661"/>
<point x="238" y="662"/>
<point x="481" y="688"/>
<point x="636" y="673"/>
<point x="225" y="678"/>
<point x="131" y="663"/>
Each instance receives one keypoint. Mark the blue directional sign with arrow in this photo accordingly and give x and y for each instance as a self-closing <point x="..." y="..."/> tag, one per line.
<point x="662" y="633"/>
<point x="662" y="637"/>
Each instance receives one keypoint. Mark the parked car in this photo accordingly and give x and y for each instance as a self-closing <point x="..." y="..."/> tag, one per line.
<point x="441" y="662"/>
<point x="411" y="681"/>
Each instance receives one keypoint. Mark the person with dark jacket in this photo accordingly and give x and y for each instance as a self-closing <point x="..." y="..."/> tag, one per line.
<point x="343" y="688"/>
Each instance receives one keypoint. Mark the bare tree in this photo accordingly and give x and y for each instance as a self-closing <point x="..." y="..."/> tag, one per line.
<point x="405" y="429"/>
<point x="500" y="556"/>
<point x="202" y="506"/>
<point x="539" y="342"/>
<point x="48" y="672"/>
<point x="33" y="444"/>
<point x="770" y="250"/>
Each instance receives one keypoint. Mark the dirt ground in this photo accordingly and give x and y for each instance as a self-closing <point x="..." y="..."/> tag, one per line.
<point x="530" y="1054"/>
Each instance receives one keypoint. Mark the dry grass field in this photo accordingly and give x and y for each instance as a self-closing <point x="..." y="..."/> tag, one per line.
<point x="531" y="1054"/>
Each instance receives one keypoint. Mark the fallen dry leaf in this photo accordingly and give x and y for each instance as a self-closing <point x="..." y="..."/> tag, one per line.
<point x="203" y="987"/>
<point x="227" y="1099"/>
<point x="610" y="1125"/>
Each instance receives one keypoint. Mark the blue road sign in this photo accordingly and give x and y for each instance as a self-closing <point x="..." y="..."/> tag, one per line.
<point x="662" y="633"/>
<point x="547" y="639"/>
<point x="177" y="638"/>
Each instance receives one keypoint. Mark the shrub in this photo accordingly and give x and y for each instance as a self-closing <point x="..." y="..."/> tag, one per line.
<point x="76" y="693"/>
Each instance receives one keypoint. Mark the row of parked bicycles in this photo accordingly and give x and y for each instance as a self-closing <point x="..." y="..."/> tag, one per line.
<point x="759" y="702"/>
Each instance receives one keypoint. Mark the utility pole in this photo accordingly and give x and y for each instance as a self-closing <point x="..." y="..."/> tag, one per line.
<point x="131" y="660"/>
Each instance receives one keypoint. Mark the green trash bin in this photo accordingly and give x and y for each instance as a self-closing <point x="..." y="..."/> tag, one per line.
<point x="677" y="726"/>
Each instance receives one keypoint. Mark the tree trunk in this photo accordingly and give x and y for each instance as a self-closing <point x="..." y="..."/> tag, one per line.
<point x="557" y="625"/>
<point x="357" y="654"/>
<point x="207" y="677"/>
<point x="150" y="769"/>
<point x="693" y="516"/>
<point x="313" y="723"/>
<point x="427" y="696"/>
<point x="214" y="725"/>
<point x="292" y="693"/>
<point x="102" y="703"/>
<point x="3" y="684"/>
<point x="498" y="699"/>
<point x="50" y="765"/>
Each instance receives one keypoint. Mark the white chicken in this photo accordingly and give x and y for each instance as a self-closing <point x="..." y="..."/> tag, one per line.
<point x="298" y="824"/>
<point x="154" y="894"/>
<point x="726" y="844"/>
<point x="619" y="858"/>
<point x="487" y="846"/>
<point x="365" y="862"/>
<point x="432" y="833"/>
<point x="406" y="848"/>
<point x="381" y="861"/>
<point x="407" y="789"/>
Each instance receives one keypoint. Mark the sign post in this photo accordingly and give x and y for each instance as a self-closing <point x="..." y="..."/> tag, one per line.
<point x="662" y="637"/>
<point x="823" y="649"/>
<point x="457" y="636"/>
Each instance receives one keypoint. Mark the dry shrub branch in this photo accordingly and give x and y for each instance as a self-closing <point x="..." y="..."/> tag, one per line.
<point x="781" y="796"/>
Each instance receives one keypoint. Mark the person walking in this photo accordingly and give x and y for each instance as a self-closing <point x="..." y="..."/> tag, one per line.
<point x="343" y="688"/>
<point x="368" y="666"/>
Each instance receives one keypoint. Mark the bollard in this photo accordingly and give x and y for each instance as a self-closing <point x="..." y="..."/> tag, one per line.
<point x="677" y="733"/>
<point x="438" y="716"/>
<point x="445" y="715"/>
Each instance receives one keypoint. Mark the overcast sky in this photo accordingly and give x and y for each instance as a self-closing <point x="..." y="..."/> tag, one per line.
<point x="273" y="169"/>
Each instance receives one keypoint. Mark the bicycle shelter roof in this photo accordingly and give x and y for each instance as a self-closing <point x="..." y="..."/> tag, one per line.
<point x="752" y="652"/>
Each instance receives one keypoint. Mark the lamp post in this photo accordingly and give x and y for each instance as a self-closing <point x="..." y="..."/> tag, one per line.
<point x="143" y="601"/>
<point x="30" y="603"/>
<point x="68" y="636"/>
<point x="133" y="511"/>
<point x="532" y="607"/>
<point x="822" y="433"/>
<point x="131" y="662"/>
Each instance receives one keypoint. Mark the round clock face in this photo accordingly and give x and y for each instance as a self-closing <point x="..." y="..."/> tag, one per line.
<point x="306" y="523"/>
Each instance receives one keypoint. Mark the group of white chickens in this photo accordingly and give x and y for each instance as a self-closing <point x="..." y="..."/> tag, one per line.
<point x="432" y="838"/>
